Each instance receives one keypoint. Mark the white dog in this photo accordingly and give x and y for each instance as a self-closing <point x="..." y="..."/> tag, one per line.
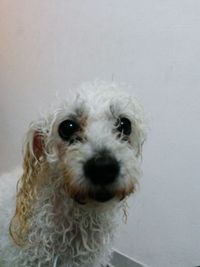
<point x="80" y="163"/>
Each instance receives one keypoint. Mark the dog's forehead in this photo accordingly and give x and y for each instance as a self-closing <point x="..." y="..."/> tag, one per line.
<point x="109" y="102"/>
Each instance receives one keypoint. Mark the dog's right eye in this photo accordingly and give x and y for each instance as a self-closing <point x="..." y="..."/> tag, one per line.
<point x="67" y="129"/>
<point x="124" y="126"/>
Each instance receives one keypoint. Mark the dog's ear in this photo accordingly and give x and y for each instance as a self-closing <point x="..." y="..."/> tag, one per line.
<point x="139" y="127"/>
<point x="27" y="187"/>
<point x="139" y="136"/>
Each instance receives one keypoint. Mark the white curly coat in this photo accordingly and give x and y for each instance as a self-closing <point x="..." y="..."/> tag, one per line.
<point x="50" y="227"/>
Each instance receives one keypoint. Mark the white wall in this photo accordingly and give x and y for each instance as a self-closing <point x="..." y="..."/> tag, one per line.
<point x="52" y="45"/>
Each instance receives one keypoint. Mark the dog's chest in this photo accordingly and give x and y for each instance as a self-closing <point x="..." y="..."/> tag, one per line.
<point x="77" y="238"/>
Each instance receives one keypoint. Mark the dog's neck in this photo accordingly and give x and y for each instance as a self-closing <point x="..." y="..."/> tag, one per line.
<point x="75" y="232"/>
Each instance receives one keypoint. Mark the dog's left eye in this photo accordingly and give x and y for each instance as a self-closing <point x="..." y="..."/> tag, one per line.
<point x="67" y="129"/>
<point x="124" y="126"/>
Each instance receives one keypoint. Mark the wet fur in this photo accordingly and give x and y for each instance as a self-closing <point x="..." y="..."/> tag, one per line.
<point x="48" y="226"/>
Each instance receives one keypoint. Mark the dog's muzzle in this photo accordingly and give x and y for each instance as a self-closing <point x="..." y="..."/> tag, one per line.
<point x="102" y="171"/>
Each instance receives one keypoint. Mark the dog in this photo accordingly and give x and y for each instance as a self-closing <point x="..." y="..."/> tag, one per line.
<point x="81" y="162"/>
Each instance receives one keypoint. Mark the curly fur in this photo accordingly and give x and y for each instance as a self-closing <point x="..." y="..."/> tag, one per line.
<point x="49" y="226"/>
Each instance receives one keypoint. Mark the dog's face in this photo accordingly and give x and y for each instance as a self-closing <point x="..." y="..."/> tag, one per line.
<point x="88" y="149"/>
<point x="94" y="143"/>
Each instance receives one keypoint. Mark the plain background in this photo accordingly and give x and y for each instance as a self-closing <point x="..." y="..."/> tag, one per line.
<point x="154" y="46"/>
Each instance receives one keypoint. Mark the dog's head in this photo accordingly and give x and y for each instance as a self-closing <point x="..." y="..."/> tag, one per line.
<point x="91" y="145"/>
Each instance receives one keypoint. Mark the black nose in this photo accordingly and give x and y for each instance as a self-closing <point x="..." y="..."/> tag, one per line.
<point x="102" y="170"/>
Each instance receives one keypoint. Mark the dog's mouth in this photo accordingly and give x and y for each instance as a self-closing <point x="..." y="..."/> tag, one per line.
<point x="98" y="196"/>
<point x="102" y="196"/>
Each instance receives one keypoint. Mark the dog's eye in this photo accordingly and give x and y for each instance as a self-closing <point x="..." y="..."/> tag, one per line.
<point x="124" y="126"/>
<point x="67" y="128"/>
